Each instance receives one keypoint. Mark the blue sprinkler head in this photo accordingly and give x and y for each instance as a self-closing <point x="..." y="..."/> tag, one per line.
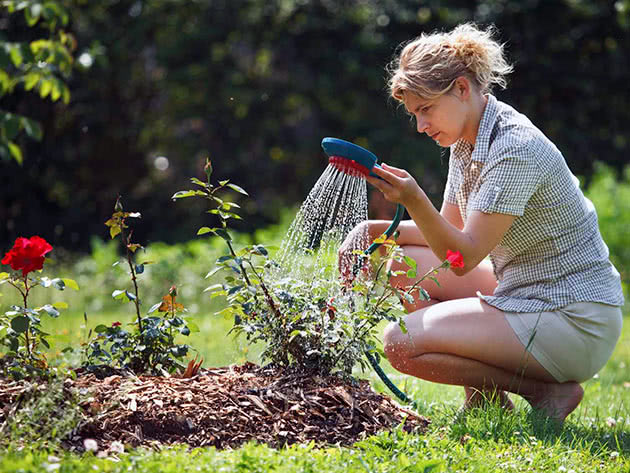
<point x="348" y="157"/>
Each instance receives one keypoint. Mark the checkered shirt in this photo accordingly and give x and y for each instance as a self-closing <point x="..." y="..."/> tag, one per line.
<point x="553" y="254"/>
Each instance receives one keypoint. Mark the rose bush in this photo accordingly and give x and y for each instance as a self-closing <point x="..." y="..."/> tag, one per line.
<point x="20" y="328"/>
<point x="324" y="325"/>
<point x="149" y="343"/>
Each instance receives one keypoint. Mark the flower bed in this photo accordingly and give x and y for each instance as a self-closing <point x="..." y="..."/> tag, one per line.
<point x="222" y="407"/>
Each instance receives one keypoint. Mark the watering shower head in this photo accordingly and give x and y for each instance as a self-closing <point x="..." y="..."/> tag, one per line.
<point x="348" y="157"/>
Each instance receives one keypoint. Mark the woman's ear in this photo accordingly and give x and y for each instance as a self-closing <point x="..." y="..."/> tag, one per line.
<point x="462" y="88"/>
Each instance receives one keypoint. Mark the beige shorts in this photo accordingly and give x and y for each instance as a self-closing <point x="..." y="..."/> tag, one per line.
<point x="574" y="342"/>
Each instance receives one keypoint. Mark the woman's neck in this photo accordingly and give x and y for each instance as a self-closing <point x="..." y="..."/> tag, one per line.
<point x="477" y="104"/>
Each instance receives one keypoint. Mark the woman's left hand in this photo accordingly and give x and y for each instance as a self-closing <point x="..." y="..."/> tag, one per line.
<point x="397" y="184"/>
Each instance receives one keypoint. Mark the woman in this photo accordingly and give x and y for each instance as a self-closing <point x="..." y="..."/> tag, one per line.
<point x="544" y="313"/>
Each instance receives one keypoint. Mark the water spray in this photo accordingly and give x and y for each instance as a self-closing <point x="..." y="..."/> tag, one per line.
<point x="354" y="160"/>
<point x="357" y="161"/>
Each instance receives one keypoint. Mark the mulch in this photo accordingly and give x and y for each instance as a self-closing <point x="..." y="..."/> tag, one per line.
<point x="225" y="408"/>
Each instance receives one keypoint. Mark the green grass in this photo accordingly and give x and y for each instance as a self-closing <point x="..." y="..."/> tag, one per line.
<point x="596" y="437"/>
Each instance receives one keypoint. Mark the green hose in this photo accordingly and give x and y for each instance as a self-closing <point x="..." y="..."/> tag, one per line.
<point x="400" y="210"/>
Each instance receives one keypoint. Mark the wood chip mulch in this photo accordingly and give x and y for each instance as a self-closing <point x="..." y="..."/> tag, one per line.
<point x="226" y="407"/>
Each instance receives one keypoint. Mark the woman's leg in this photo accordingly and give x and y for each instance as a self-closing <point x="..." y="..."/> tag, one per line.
<point x="467" y="342"/>
<point x="451" y="287"/>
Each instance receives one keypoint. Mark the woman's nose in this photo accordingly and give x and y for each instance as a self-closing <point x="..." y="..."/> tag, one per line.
<point x="421" y="124"/>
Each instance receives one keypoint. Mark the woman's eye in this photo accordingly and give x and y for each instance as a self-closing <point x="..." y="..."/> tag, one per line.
<point x="426" y="109"/>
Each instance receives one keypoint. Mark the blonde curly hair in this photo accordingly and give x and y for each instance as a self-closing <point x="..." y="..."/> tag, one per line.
<point x="429" y="65"/>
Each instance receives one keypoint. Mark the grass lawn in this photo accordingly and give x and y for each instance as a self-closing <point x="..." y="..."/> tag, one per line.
<point x="596" y="437"/>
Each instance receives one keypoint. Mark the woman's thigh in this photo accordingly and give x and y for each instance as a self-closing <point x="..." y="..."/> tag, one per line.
<point x="467" y="328"/>
<point x="451" y="286"/>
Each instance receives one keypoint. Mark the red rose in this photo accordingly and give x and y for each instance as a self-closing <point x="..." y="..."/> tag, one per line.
<point x="116" y="324"/>
<point x="27" y="254"/>
<point x="455" y="259"/>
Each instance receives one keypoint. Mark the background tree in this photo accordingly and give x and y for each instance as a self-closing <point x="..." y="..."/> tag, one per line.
<point x="33" y="65"/>
<point x="256" y="84"/>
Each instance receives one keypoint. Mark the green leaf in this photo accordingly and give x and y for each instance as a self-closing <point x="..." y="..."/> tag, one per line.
<point x="194" y="180"/>
<point x="114" y="230"/>
<point x="119" y="294"/>
<point x="189" y="193"/>
<point x="71" y="283"/>
<point x="19" y="324"/>
<point x="60" y="305"/>
<point x="32" y="14"/>
<point x="30" y="80"/>
<point x="403" y="326"/>
<point x="59" y="284"/>
<point x="210" y="274"/>
<point x="154" y="307"/>
<point x="237" y="188"/>
<point x="16" y="55"/>
<point x="194" y="328"/>
<point x="412" y="273"/>
<point x="15" y="151"/>
<point x="424" y="295"/>
<point x="45" y="88"/>
<point x="410" y="262"/>
<point x="261" y="250"/>
<point x="50" y="310"/>
<point x="4" y="276"/>
<point x="100" y="328"/>
<point x="213" y="288"/>
<point x="204" y="230"/>
<point x="227" y="313"/>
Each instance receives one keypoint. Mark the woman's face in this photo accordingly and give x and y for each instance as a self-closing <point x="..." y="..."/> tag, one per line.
<point x="442" y="119"/>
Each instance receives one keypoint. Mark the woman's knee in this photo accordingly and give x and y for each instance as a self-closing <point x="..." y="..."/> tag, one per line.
<point x="397" y="345"/>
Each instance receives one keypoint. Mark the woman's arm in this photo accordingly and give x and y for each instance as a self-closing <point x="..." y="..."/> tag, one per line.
<point x="474" y="241"/>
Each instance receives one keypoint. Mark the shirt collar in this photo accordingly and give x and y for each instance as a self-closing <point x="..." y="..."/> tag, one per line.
<point x="462" y="149"/>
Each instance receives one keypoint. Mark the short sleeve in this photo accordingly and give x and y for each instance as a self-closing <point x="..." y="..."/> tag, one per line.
<point x="452" y="182"/>
<point x="506" y="185"/>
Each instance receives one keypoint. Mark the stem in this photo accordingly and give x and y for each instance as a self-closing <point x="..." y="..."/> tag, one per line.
<point x="268" y="297"/>
<point x="240" y="264"/>
<point x="127" y="242"/>
<point x="28" y="322"/>
<point x="432" y="270"/>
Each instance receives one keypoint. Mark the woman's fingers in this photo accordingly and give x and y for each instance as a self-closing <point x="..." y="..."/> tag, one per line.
<point x="395" y="171"/>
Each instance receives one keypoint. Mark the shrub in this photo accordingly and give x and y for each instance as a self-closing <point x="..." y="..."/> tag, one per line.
<point x="299" y="322"/>
<point x="149" y="345"/>
<point x="611" y="197"/>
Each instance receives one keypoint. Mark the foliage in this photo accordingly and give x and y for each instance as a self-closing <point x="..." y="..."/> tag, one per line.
<point x="42" y="418"/>
<point x="149" y="345"/>
<point x="258" y="83"/>
<point x="299" y="323"/>
<point x="20" y="327"/>
<point x="41" y="65"/>
<point x="611" y="197"/>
